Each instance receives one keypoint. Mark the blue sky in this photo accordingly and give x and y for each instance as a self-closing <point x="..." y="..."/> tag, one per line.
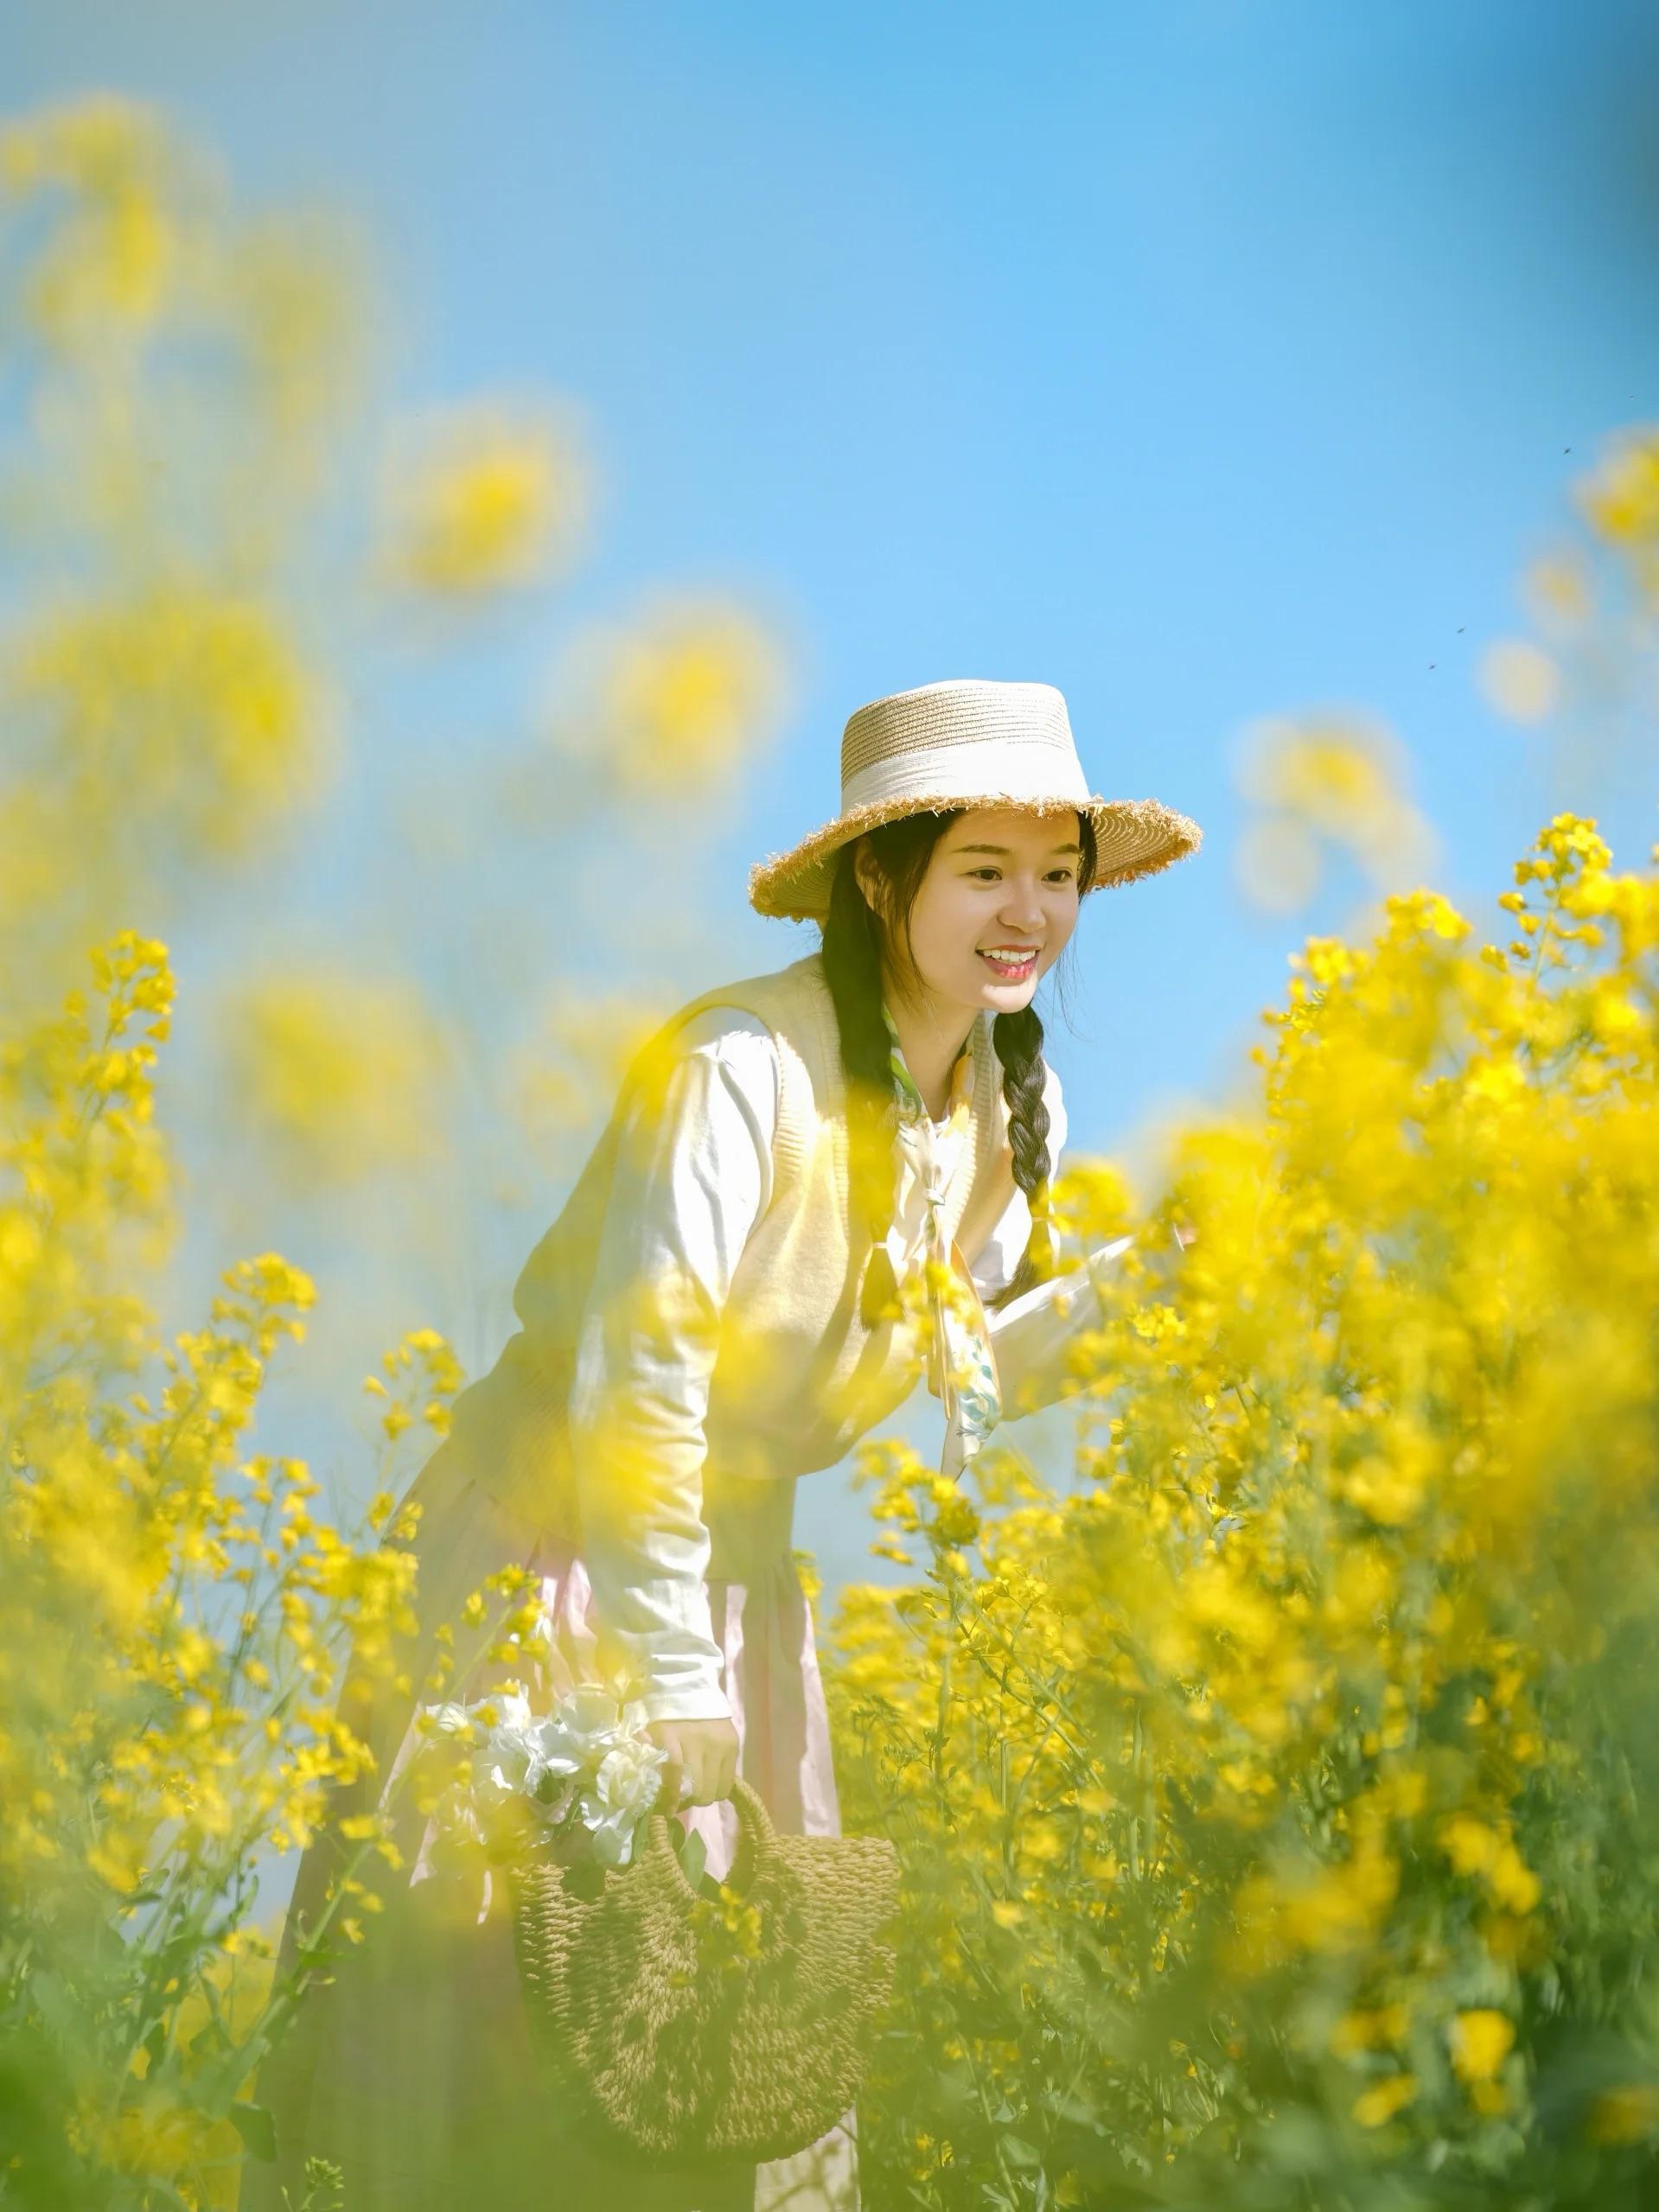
<point x="1207" y="361"/>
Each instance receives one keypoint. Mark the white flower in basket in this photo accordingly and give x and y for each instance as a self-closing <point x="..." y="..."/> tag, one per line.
<point x="575" y="1781"/>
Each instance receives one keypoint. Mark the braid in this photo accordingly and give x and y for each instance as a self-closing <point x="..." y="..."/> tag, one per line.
<point x="1018" y="1040"/>
<point x="852" y="971"/>
<point x="1020" y="1048"/>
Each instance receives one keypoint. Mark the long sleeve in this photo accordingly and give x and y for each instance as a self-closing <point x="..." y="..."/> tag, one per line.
<point x="692" y="1180"/>
<point x="1033" y="1338"/>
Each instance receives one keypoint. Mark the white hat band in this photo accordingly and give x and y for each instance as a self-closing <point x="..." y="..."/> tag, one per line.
<point x="1028" y="775"/>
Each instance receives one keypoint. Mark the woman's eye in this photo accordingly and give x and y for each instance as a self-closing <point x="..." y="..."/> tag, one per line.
<point x="989" y="875"/>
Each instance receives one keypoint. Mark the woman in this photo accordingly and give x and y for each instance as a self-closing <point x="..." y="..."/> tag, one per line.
<point x="736" y="1290"/>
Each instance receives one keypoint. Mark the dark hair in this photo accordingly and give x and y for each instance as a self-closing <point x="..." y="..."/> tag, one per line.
<point x="855" y="939"/>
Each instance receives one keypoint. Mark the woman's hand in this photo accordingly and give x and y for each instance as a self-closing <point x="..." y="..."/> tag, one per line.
<point x="703" y="1752"/>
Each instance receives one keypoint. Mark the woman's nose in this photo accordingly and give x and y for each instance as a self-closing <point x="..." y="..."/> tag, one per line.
<point x="1023" y="909"/>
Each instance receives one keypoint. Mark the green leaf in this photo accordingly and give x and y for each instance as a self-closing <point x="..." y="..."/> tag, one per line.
<point x="211" y="2036"/>
<point x="257" y="2130"/>
<point x="693" y="1857"/>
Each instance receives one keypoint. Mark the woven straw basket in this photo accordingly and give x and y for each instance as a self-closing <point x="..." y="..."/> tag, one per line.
<point x="660" y="2041"/>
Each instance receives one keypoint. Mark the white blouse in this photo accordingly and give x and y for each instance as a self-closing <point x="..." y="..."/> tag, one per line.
<point x="709" y="1179"/>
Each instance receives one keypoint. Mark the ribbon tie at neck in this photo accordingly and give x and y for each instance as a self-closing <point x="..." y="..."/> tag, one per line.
<point x="961" y="1367"/>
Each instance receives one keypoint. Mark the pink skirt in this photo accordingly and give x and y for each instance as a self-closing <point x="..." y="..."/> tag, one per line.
<point x="412" y="2069"/>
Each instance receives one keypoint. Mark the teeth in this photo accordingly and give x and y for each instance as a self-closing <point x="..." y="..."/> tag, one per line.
<point x="1009" y="952"/>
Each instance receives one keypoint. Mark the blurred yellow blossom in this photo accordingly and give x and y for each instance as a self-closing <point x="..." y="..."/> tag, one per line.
<point x="1375" y="2107"/>
<point x="339" y="1075"/>
<point x="1319" y="782"/>
<point x="1593" y="674"/>
<point x="560" y="1082"/>
<point x="192" y="702"/>
<point x="484" y="497"/>
<point x="1621" y="493"/>
<point x="125" y="180"/>
<point x="1481" y="2041"/>
<point x="1557" y="592"/>
<point x="1521" y="680"/>
<point x="674" y="700"/>
<point x="1628" y="2114"/>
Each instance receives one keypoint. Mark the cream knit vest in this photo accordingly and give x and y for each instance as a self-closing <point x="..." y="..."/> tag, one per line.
<point x="798" y="1378"/>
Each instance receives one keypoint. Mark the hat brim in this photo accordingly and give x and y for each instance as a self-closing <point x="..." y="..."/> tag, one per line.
<point x="1133" y="837"/>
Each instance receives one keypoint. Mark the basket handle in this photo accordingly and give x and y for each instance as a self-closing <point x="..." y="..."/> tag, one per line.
<point x="756" y="1836"/>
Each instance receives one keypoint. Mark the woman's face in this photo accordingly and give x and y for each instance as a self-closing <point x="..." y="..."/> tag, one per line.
<point x="994" y="913"/>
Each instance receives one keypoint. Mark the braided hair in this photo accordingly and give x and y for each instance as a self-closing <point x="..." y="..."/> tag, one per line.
<point x="855" y="938"/>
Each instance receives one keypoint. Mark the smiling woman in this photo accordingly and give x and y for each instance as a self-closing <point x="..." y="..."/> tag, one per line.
<point x="817" y="1186"/>
<point x="905" y="957"/>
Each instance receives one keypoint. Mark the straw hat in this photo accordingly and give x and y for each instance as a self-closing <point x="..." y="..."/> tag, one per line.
<point x="966" y="744"/>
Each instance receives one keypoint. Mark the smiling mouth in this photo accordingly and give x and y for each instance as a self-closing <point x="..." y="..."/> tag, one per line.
<point x="1010" y="964"/>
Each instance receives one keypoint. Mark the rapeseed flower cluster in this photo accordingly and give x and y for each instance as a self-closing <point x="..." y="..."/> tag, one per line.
<point x="177" y="1600"/>
<point x="176" y="1612"/>
<point x="1278" y="1801"/>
